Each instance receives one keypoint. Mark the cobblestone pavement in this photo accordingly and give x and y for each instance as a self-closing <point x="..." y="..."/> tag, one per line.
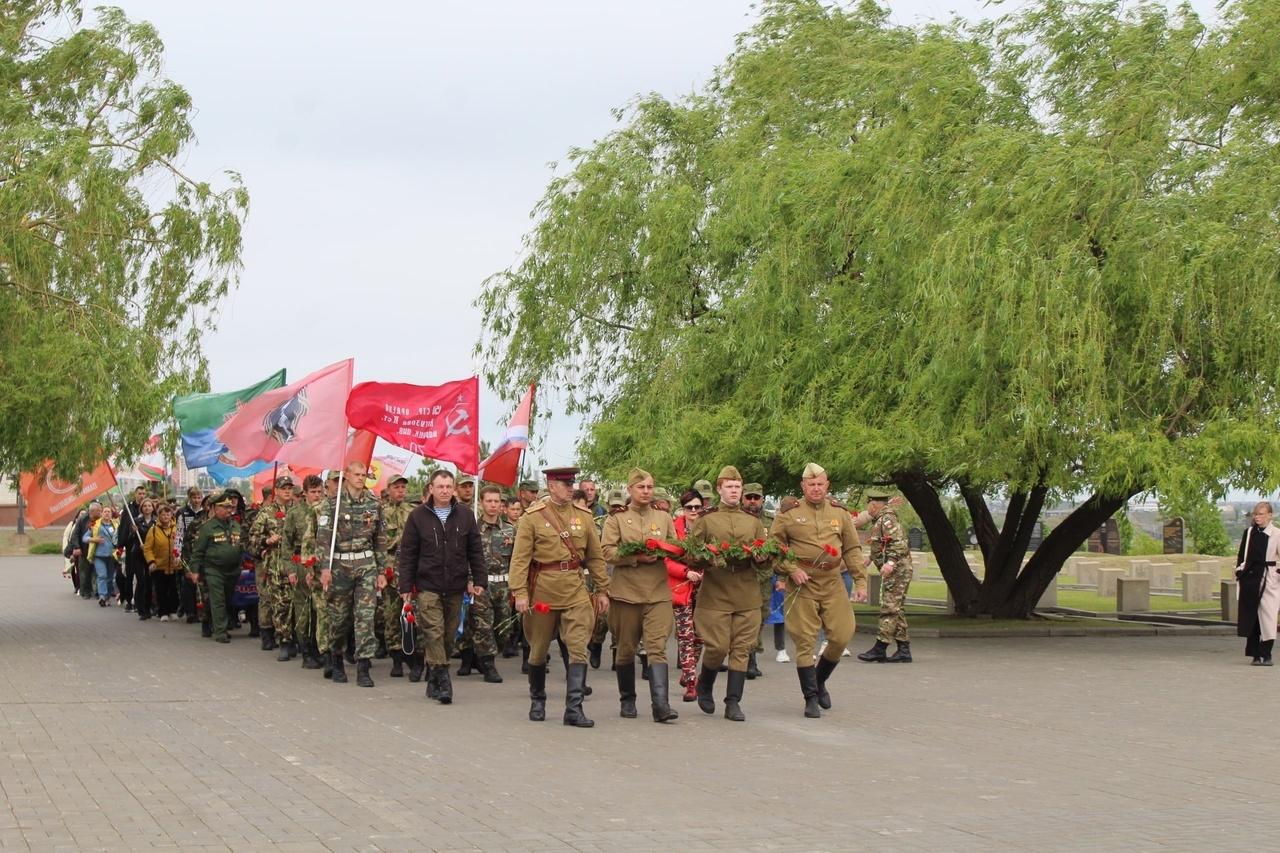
<point x="120" y="734"/>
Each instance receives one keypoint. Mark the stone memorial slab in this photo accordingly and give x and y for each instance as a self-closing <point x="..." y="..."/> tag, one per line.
<point x="1198" y="586"/>
<point x="1133" y="595"/>
<point x="1107" y="577"/>
<point x="1230" y="600"/>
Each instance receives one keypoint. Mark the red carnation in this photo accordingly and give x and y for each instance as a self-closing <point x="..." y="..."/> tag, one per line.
<point x="757" y="543"/>
<point x="541" y="607"/>
<point x="746" y="549"/>
<point x="651" y="543"/>
<point x="175" y="553"/>
<point x="724" y="546"/>
<point x="832" y="550"/>
<point x="408" y="617"/>
<point x="311" y="561"/>
<point x="279" y="514"/>
<point x="390" y="574"/>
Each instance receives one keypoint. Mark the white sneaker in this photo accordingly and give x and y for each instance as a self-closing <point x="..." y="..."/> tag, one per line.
<point x="845" y="653"/>
<point x="782" y="656"/>
<point x="824" y="647"/>
<point x="164" y="618"/>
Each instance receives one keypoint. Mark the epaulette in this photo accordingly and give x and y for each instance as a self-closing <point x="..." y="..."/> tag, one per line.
<point x="715" y="508"/>
<point x="783" y="510"/>
<point x="835" y="503"/>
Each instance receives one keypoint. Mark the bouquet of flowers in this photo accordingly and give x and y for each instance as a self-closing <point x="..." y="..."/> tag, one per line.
<point x="652" y="547"/>
<point x="762" y="549"/>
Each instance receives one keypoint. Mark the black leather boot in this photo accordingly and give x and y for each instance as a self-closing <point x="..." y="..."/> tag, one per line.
<point x="822" y="673"/>
<point x="433" y="682"/>
<point x="706" y="681"/>
<point x="206" y="629"/>
<point x="311" y="657"/>
<point x="809" y="689"/>
<point x="594" y="650"/>
<point x="327" y="660"/>
<point x="626" y="673"/>
<point x="644" y="667"/>
<point x="903" y="654"/>
<point x="287" y="651"/>
<point x="350" y="656"/>
<point x="875" y="654"/>
<point x="576" y="681"/>
<point x="524" y="661"/>
<point x="397" y="664"/>
<point x="753" y="671"/>
<point x="381" y="651"/>
<point x="363" y="679"/>
<point x="415" y="668"/>
<point x="468" y="662"/>
<point x="733" y="696"/>
<point x="659" y="697"/>
<point x="489" y="671"/>
<point x="339" y="671"/>
<point x="444" y="687"/>
<point x="537" y="691"/>
<point x="509" y="647"/>
<point x="268" y="636"/>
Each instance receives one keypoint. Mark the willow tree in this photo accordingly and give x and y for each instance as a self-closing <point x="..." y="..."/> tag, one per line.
<point x="112" y="258"/>
<point x="1028" y="259"/>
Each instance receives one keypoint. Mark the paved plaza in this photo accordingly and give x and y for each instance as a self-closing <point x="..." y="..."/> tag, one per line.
<point x="117" y="734"/>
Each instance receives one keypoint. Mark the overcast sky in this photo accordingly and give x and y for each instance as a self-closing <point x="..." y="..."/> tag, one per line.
<point x="394" y="150"/>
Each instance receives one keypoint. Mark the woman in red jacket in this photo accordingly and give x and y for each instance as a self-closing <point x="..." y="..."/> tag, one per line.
<point x="684" y="587"/>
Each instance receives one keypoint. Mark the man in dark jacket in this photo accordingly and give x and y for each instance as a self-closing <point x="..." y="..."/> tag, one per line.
<point x="442" y="558"/>
<point x="75" y="549"/>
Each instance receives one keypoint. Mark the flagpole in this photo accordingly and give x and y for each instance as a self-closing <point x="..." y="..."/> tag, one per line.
<point x="337" y="503"/>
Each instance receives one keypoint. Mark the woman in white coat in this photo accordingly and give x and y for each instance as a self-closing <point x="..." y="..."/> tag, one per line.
<point x="1259" y="576"/>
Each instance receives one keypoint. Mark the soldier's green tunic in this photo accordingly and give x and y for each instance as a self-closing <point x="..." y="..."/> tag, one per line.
<point x="360" y="555"/>
<point x="216" y="557"/>
<point x="888" y="543"/>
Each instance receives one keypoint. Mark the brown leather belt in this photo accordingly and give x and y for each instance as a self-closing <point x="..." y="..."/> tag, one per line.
<point x="562" y="566"/>
<point x="808" y="565"/>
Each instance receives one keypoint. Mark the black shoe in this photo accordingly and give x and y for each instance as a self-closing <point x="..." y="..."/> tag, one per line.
<point x="468" y="662"/>
<point x="444" y="688"/>
<point x="537" y="692"/>
<point x="809" y="689"/>
<point x="268" y="636"/>
<point x="490" y="672"/>
<point x="902" y="655"/>
<point x="381" y="652"/>
<point x="415" y="668"/>
<point x="626" y="673"/>
<point x="223" y="639"/>
<point x="363" y="679"/>
<point x="254" y="631"/>
<point x="433" y="682"/>
<point x="644" y="667"/>
<point x="824" y="670"/>
<point x="102" y="602"/>
<point x="326" y="659"/>
<point x="1266" y="662"/>
<point x="1257" y="661"/>
<point x="191" y="620"/>
<point x="753" y="671"/>
<point x="350" y="656"/>
<point x="576" y="682"/>
<point x="594" y="650"/>
<point x="311" y="658"/>
<point x="875" y="654"/>
<point x="206" y="630"/>
<point x="733" y="697"/>
<point x="706" y="681"/>
<point x="397" y="663"/>
<point x="283" y="655"/>
<point x="659" y="697"/>
<point x="509" y="648"/>
<point x="339" y="671"/>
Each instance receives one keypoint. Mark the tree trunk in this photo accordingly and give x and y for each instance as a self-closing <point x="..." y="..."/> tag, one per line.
<point x="947" y="548"/>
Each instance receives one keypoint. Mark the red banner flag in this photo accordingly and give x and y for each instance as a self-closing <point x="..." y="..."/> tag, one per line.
<point x="360" y="448"/>
<point x="48" y="499"/>
<point x="503" y="465"/>
<point x="440" y="421"/>
<point x="303" y="422"/>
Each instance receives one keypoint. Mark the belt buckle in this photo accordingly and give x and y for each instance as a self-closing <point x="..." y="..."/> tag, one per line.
<point x="564" y="566"/>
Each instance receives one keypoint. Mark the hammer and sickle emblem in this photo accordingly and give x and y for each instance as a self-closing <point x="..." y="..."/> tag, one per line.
<point x="453" y="425"/>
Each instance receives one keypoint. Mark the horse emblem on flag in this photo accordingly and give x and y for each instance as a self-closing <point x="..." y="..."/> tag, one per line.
<point x="281" y="423"/>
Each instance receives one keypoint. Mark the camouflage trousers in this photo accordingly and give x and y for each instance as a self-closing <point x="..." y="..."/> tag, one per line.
<point x="477" y="628"/>
<point x="688" y="643"/>
<point x="893" y="597"/>
<point x="352" y="597"/>
<point x="303" y="615"/>
<point x="266" y="616"/>
<point x="320" y="607"/>
<point x="275" y="603"/>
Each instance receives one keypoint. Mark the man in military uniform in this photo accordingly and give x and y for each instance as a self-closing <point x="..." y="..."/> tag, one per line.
<point x="299" y="523"/>
<point x="200" y="590"/>
<point x="640" y="600"/>
<point x="527" y="492"/>
<point x="703" y="487"/>
<point x="498" y="537"/>
<point x="891" y="554"/>
<point x="553" y="541"/>
<point x="727" y="616"/>
<point x="274" y="566"/>
<point x="354" y="576"/>
<point x="820" y="537"/>
<point x="395" y="512"/>
<point x="216" y="558"/>
<point x="466" y="489"/>
<point x="753" y="502"/>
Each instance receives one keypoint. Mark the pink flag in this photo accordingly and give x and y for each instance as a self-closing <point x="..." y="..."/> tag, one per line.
<point x="503" y="464"/>
<point x="304" y="422"/>
<point x="430" y="420"/>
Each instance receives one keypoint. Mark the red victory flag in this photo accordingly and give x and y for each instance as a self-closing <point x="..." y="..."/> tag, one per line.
<point x="439" y="421"/>
<point x="48" y="499"/>
<point x="503" y="465"/>
<point x="303" y="422"/>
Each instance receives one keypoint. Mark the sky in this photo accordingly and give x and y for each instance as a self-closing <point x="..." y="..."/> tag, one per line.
<point x="393" y="152"/>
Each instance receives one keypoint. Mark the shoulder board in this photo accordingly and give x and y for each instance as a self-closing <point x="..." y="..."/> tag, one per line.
<point x="785" y="511"/>
<point x="536" y="506"/>
<point x="835" y="503"/>
<point x="709" y="511"/>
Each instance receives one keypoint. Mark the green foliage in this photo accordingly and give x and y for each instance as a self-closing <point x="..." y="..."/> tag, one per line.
<point x="1031" y="256"/>
<point x="1125" y="528"/>
<point x="112" y="259"/>
<point x="45" y="548"/>
<point x="958" y="518"/>
<point x="1207" y="532"/>
<point x="1142" y="544"/>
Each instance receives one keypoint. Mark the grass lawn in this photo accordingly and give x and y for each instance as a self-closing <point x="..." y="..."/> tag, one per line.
<point x="919" y="619"/>
<point x="1076" y="599"/>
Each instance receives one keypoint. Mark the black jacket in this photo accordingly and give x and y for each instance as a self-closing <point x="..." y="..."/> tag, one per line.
<point x="437" y="557"/>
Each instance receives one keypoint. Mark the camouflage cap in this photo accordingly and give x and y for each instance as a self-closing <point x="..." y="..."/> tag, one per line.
<point x="616" y="498"/>
<point x="880" y="493"/>
<point x="398" y="480"/>
<point x="753" y="489"/>
<point x="463" y="479"/>
<point x="661" y="494"/>
<point x="527" y="486"/>
<point x="334" y="474"/>
<point x="284" y="481"/>
<point x="703" y="487"/>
